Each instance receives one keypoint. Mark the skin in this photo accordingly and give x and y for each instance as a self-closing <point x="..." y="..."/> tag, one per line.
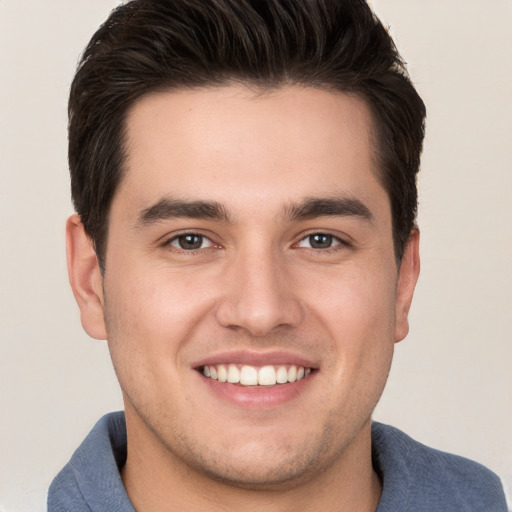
<point x="257" y="285"/>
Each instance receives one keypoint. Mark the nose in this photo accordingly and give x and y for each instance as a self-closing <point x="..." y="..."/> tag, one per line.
<point x="259" y="296"/>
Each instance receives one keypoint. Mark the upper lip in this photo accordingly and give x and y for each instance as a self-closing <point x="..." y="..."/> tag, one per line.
<point x="253" y="358"/>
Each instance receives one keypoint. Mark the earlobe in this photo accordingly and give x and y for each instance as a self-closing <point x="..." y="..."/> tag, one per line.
<point x="85" y="278"/>
<point x="407" y="278"/>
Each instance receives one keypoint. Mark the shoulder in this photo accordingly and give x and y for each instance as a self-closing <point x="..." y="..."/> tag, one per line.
<point x="422" y="478"/>
<point x="91" y="480"/>
<point x="64" y="493"/>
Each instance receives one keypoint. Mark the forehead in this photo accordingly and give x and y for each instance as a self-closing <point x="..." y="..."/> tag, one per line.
<point x="240" y="145"/>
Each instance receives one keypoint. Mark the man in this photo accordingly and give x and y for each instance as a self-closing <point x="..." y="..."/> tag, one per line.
<point x="244" y="179"/>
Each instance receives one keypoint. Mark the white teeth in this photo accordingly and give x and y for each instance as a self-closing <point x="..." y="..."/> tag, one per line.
<point x="248" y="376"/>
<point x="222" y="373"/>
<point x="233" y="374"/>
<point x="267" y="376"/>
<point x="282" y="375"/>
<point x="251" y="376"/>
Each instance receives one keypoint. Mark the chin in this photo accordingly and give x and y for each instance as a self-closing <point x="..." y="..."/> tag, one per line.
<point x="266" y="461"/>
<point x="262" y="473"/>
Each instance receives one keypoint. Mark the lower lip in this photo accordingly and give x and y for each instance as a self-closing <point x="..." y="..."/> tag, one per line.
<point x="259" y="397"/>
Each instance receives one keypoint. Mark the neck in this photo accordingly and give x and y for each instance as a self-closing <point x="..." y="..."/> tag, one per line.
<point x="156" y="480"/>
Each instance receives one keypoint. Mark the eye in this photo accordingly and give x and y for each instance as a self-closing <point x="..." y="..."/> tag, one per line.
<point x="319" y="241"/>
<point x="190" y="242"/>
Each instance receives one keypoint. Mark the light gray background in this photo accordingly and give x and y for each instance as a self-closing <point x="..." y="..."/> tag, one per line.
<point x="451" y="383"/>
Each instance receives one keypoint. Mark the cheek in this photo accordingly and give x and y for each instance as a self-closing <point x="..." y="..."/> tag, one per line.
<point x="150" y="319"/>
<point x="355" y="304"/>
<point x="155" y="301"/>
<point x="357" y="311"/>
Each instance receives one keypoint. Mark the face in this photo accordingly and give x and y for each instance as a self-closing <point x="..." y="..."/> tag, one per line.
<point x="251" y="298"/>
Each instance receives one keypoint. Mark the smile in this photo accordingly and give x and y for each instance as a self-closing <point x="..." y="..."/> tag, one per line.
<point x="246" y="375"/>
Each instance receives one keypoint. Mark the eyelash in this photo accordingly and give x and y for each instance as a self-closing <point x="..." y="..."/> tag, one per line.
<point x="176" y="239"/>
<point x="338" y="242"/>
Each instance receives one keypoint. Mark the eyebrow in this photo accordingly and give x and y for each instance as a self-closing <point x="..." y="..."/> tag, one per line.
<point x="168" y="208"/>
<point x="327" y="207"/>
<point x="310" y="208"/>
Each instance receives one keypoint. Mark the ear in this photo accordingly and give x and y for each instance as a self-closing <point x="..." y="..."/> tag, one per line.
<point x="85" y="278"/>
<point x="407" y="278"/>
